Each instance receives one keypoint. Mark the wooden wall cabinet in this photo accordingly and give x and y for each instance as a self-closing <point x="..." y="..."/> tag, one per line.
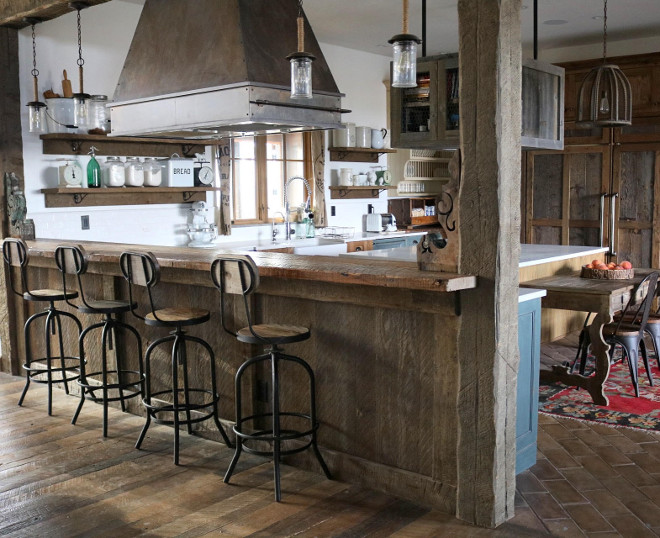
<point x="407" y="211"/>
<point x="427" y="116"/>
<point x="542" y="105"/>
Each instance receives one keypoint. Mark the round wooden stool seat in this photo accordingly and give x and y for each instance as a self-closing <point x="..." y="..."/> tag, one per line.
<point x="49" y="295"/>
<point x="273" y="334"/>
<point x="105" y="307"/>
<point x="176" y="316"/>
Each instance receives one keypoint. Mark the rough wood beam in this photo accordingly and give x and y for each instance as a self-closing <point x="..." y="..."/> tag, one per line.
<point x="14" y="12"/>
<point x="490" y="110"/>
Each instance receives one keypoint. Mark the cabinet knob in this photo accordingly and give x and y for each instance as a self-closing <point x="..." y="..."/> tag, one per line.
<point x="358" y="249"/>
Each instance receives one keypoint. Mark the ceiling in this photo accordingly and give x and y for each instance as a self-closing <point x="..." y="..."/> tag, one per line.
<point x="368" y="24"/>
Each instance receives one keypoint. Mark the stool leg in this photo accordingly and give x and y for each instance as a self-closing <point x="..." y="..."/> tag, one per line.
<point x="312" y="411"/>
<point x="120" y="364"/>
<point x="112" y="346"/>
<point x="147" y="392"/>
<point x="214" y="389"/>
<point x="275" y="378"/>
<point x="645" y="358"/>
<point x="28" y="352"/>
<point x="183" y="361"/>
<point x="175" y="397"/>
<point x="82" y="378"/>
<point x="60" y="342"/>
<point x="49" y="374"/>
<point x="104" y="376"/>
<point x="239" y="417"/>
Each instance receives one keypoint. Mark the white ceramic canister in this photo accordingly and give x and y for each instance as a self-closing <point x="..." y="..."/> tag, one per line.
<point x="134" y="172"/>
<point x="345" y="177"/>
<point x="153" y="172"/>
<point x="113" y="172"/>
<point x="340" y="138"/>
<point x="350" y="127"/>
<point x="363" y="137"/>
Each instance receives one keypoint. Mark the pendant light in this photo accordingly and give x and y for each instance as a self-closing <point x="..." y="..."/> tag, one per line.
<point x="36" y="109"/>
<point x="605" y="96"/>
<point x="80" y="99"/>
<point x="404" y="62"/>
<point x="301" y="63"/>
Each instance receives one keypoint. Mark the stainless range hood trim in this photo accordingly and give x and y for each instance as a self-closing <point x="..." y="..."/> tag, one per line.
<point x="230" y="111"/>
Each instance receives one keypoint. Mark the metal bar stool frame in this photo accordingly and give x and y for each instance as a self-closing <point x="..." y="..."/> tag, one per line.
<point x="72" y="260"/>
<point x="238" y="275"/>
<point x="15" y="255"/>
<point x="142" y="269"/>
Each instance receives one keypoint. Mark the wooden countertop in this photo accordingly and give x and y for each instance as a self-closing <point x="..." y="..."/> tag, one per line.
<point x="332" y="269"/>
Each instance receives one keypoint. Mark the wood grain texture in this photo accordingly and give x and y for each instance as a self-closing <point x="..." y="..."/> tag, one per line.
<point x="14" y="12"/>
<point x="490" y="110"/>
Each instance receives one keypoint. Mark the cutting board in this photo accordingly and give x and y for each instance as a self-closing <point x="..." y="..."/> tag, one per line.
<point x="66" y="86"/>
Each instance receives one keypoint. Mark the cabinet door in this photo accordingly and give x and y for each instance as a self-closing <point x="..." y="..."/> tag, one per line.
<point x="636" y="180"/>
<point x="645" y="87"/>
<point x="564" y="193"/>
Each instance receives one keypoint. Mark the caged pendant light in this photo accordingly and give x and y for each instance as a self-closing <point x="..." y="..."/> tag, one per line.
<point x="604" y="99"/>
<point x="301" y="63"/>
<point x="404" y="62"/>
<point x="80" y="99"/>
<point x="36" y="109"/>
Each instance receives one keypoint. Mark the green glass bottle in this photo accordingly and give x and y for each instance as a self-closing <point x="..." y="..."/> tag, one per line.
<point x="93" y="171"/>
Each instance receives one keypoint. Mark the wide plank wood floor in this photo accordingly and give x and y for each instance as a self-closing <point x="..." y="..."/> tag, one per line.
<point x="62" y="480"/>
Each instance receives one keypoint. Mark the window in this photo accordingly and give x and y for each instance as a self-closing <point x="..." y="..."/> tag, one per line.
<point x="260" y="166"/>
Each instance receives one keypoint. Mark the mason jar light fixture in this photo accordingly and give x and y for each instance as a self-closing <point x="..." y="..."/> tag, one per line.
<point x="301" y="63"/>
<point x="80" y="99"/>
<point x="36" y="108"/>
<point x="404" y="61"/>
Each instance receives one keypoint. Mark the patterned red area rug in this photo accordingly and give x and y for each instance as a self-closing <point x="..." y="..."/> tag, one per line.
<point x="624" y="409"/>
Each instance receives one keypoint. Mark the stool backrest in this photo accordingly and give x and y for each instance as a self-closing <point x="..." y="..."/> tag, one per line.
<point x="72" y="260"/>
<point x="235" y="274"/>
<point x="15" y="255"/>
<point x="140" y="269"/>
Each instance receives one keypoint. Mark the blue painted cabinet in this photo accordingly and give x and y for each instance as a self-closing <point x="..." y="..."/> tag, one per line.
<point x="527" y="414"/>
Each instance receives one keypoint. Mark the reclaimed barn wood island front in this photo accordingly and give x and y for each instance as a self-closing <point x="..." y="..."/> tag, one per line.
<point x="383" y="347"/>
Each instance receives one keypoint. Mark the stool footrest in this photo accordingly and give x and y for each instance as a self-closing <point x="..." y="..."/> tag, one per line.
<point x="33" y="372"/>
<point x="121" y="373"/>
<point x="154" y="409"/>
<point x="267" y="435"/>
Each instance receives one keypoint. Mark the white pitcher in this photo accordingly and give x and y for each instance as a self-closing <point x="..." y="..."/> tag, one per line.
<point x="378" y="138"/>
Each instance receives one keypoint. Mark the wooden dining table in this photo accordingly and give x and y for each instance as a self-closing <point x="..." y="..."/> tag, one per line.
<point x="602" y="297"/>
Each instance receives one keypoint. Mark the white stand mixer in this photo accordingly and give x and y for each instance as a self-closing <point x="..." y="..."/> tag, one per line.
<point x="202" y="233"/>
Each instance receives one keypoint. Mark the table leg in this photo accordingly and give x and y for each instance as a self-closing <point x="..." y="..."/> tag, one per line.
<point x="599" y="348"/>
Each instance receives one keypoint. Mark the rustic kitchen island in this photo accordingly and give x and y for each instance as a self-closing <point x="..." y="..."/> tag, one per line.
<point x="383" y="348"/>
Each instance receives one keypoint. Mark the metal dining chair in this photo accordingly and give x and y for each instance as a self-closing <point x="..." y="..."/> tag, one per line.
<point x="628" y="331"/>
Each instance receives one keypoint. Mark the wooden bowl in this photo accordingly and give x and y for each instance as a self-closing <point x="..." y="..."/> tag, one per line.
<point x="607" y="274"/>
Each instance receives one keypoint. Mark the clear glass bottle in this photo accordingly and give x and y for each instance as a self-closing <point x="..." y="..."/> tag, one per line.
<point x="113" y="172"/>
<point x="153" y="172"/>
<point x="134" y="172"/>
<point x="310" y="229"/>
<point x="93" y="171"/>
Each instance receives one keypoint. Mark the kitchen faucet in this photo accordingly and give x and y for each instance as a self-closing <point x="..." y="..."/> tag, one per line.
<point x="287" y="222"/>
<point x="273" y="229"/>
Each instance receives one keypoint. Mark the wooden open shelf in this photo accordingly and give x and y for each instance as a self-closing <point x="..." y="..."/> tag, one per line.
<point x="358" y="155"/>
<point x="81" y="197"/>
<point x="79" y="144"/>
<point x="371" y="191"/>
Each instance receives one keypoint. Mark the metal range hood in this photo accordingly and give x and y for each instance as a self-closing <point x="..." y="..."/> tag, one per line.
<point x="217" y="68"/>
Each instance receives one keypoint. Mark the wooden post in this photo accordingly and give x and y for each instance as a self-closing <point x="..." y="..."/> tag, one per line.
<point x="489" y="199"/>
<point x="11" y="160"/>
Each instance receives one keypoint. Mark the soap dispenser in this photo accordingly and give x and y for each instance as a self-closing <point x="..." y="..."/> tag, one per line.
<point x="93" y="171"/>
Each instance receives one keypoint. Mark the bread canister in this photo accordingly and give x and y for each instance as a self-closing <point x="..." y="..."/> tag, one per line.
<point x="180" y="172"/>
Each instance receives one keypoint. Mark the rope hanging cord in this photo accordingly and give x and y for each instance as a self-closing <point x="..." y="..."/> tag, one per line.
<point x="404" y="18"/>
<point x="80" y="61"/>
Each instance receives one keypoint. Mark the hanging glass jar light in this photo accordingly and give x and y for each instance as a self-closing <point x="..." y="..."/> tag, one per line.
<point x="605" y="95"/>
<point x="404" y="60"/>
<point x="36" y="109"/>
<point x="80" y="99"/>
<point x="301" y="63"/>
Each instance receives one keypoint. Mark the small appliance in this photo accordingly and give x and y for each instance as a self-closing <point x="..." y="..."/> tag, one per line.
<point x="379" y="222"/>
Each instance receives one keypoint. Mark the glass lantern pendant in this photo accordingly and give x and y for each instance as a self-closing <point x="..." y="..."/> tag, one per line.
<point x="605" y="95"/>
<point x="36" y="109"/>
<point x="301" y="63"/>
<point x="404" y="60"/>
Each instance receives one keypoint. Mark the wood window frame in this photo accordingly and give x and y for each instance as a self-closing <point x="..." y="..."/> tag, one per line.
<point x="261" y="167"/>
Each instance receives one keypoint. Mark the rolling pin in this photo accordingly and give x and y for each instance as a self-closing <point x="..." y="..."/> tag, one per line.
<point x="66" y="86"/>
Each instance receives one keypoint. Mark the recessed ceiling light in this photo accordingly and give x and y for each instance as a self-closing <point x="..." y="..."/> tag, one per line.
<point x="555" y="22"/>
<point x="597" y="18"/>
<point x="523" y="7"/>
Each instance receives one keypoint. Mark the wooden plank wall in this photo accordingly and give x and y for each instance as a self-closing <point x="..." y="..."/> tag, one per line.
<point x="11" y="160"/>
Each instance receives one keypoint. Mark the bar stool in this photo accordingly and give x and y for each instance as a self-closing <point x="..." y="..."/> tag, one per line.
<point x="142" y="269"/>
<point x="72" y="260"/>
<point x="15" y="254"/>
<point x="238" y="275"/>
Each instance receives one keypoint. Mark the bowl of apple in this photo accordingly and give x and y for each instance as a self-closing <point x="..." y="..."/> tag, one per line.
<point x="608" y="271"/>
